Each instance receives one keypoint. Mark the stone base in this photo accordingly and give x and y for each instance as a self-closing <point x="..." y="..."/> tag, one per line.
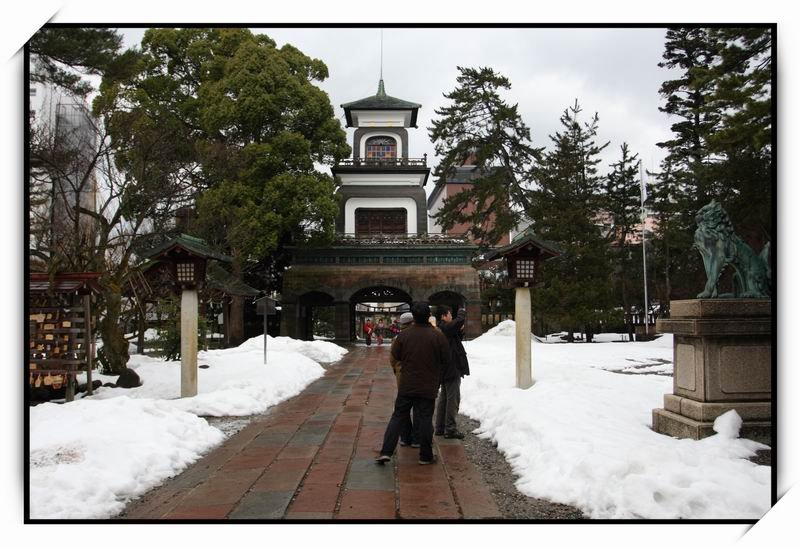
<point x="679" y="426"/>
<point x="722" y="352"/>
<point x="708" y="412"/>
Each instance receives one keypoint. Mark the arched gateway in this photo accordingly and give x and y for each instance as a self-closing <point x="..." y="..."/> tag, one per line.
<point x="382" y="245"/>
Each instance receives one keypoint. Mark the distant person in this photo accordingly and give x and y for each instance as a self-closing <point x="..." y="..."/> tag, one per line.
<point x="368" y="331"/>
<point x="379" y="331"/>
<point x="406" y="434"/>
<point x="394" y="328"/>
<point x="423" y="354"/>
<point x="450" y="394"/>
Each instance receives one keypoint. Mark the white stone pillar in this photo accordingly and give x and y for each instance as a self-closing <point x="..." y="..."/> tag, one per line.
<point x="188" y="343"/>
<point x="522" y="317"/>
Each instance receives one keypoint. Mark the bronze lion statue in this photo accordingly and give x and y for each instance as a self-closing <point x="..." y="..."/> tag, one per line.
<point x="719" y="247"/>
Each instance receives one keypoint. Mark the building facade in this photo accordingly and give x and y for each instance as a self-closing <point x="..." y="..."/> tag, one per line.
<point x="383" y="252"/>
<point x="461" y="178"/>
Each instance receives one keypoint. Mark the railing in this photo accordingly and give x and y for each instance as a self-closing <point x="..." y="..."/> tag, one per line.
<point x="384" y="162"/>
<point x="401" y="239"/>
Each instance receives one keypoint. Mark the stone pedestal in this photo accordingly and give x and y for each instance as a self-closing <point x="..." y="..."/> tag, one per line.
<point x="722" y="353"/>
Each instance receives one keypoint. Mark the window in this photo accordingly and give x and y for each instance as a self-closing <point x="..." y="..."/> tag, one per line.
<point x="185" y="272"/>
<point x="525" y="268"/>
<point x="380" y="221"/>
<point x="381" y="148"/>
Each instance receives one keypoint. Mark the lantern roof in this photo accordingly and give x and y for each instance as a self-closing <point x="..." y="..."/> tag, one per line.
<point x="196" y="247"/>
<point x="220" y="279"/>
<point x="528" y="237"/>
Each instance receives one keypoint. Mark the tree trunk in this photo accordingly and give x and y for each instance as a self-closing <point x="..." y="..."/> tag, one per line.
<point x="115" y="347"/>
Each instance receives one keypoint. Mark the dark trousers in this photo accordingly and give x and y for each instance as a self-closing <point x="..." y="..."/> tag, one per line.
<point x="401" y="420"/>
<point x="447" y="405"/>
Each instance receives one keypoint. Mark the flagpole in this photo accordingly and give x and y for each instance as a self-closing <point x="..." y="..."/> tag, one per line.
<point x="643" y="196"/>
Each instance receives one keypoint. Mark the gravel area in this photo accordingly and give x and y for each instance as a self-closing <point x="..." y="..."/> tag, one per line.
<point x="498" y="475"/>
<point x="763" y="457"/>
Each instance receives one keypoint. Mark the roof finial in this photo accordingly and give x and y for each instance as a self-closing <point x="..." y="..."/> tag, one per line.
<point x="381" y="91"/>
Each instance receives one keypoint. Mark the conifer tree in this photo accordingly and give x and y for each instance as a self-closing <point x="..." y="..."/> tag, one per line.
<point x="478" y="125"/>
<point x="62" y="56"/>
<point x="623" y="201"/>
<point x="566" y="209"/>
<point x="722" y="143"/>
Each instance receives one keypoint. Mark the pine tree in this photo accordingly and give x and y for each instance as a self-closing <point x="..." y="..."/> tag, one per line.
<point x="722" y="143"/>
<point x="567" y="210"/>
<point x="623" y="204"/>
<point x="62" y="56"/>
<point x="479" y="125"/>
<point x="743" y="94"/>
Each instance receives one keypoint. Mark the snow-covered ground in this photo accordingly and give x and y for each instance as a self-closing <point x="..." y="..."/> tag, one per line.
<point x="90" y="457"/>
<point x="581" y="435"/>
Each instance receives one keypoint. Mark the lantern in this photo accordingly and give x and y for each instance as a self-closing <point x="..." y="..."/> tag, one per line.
<point x="522" y="258"/>
<point x="187" y="257"/>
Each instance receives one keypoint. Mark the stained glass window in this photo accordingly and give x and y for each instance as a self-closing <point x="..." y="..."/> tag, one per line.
<point x="381" y="148"/>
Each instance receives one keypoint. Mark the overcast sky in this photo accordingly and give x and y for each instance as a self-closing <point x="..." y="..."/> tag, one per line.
<point x="613" y="72"/>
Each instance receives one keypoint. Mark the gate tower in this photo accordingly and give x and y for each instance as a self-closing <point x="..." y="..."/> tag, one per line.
<point x="382" y="246"/>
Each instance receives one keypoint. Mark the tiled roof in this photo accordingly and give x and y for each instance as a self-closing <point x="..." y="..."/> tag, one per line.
<point x="194" y="245"/>
<point x="380" y="101"/>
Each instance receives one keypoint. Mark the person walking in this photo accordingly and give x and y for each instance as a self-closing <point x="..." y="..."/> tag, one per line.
<point x="458" y="366"/>
<point x="368" y="331"/>
<point x="379" y="330"/>
<point x="423" y="354"/>
<point x="407" y="430"/>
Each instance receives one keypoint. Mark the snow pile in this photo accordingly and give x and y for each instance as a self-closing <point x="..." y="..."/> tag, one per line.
<point x="89" y="457"/>
<point x="319" y="351"/>
<point x="728" y="424"/>
<point x="581" y="435"/>
<point x="506" y="328"/>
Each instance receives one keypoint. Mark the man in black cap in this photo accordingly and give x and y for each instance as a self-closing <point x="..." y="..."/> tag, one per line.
<point x="422" y="352"/>
<point x="450" y="394"/>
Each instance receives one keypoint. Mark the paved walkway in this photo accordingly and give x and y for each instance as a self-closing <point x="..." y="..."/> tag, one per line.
<point x="312" y="457"/>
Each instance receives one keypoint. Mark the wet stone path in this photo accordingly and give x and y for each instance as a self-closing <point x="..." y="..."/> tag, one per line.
<point x="312" y="457"/>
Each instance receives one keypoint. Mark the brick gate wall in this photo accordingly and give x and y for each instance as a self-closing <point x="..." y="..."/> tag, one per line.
<point x="342" y="281"/>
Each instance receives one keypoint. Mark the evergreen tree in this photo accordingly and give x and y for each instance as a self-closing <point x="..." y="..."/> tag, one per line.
<point x="743" y="94"/>
<point x="691" y="180"/>
<point x="254" y="123"/>
<point x="62" y="56"/>
<point x="567" y="210"/>
<point x="721" y="147"/>
<point x="481" y="127"/>
<point x="623" y="201"/>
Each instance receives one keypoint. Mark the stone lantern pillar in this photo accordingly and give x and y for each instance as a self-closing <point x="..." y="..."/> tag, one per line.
<point x="187" y="258"/>
<point x="523" y="257"/>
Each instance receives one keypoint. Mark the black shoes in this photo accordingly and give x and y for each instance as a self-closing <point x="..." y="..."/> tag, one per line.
<point x="455" y="435"/>
<point x="383" y="459"/>
<point x="433" y="460"/>
<point x="438" y="433"/>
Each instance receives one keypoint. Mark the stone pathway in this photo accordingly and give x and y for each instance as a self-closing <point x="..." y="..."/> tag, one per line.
<point x="312" y="458"/>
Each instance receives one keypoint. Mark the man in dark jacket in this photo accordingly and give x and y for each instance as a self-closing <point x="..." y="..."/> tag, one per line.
<point x="423" y="354"/>
<point x="458" y="366"/>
